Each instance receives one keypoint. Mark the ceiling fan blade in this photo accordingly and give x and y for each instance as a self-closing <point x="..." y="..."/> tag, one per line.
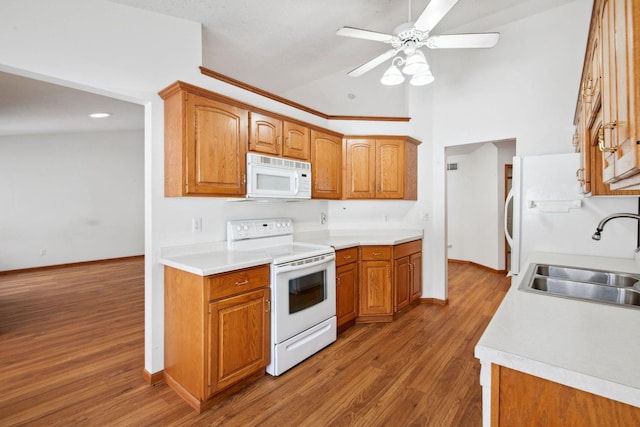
<point x="365" y="34"/>
<point x="463" y="41"/>
<point x="367" y="66"/>
<point x="432" y="14"/>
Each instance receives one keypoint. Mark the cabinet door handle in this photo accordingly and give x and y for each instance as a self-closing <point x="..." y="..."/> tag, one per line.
<point x="244" y="282"/>
<point x="601" y="137"/>
<point x="376" y="254"/>
<point x="268" y="304"/>
<point x="347" y="257"/>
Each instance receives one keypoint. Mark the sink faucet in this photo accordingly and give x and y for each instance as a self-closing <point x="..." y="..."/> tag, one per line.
<point x="600" y="227"/>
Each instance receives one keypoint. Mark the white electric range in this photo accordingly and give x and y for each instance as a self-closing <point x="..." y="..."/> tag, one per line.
<point x="303" y="288"/>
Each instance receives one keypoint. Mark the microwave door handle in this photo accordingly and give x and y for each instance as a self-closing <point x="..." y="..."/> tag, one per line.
<point x="287" y="268"/>
<point x="296" y="181"/>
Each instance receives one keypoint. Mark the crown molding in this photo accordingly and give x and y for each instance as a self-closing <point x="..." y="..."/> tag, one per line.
<point x="273" y="96"/>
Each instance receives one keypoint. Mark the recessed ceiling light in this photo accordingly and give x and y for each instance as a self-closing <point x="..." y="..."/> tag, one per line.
<point x="99" y="115"/>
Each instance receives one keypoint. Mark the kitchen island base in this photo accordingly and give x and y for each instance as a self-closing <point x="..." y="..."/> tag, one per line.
<point x="521" y="399"/>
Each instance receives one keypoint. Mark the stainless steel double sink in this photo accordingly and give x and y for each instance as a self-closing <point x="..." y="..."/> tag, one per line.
<point x="609" y="287"/>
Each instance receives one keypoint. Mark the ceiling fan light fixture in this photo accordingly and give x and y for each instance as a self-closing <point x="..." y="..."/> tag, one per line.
<point x="415" y="64"/>
<point x="422" y="79"/>
<point x="392" y="76"/>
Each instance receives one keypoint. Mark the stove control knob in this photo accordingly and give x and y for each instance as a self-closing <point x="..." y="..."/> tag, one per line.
<point x="245" y="227"/>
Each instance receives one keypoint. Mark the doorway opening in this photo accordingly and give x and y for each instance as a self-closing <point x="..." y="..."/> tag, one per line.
<point x="84" y="176"/>
<point x="475" y="193"/>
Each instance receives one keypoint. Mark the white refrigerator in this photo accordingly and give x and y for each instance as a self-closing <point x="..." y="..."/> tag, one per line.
<point x="551" y="215"/>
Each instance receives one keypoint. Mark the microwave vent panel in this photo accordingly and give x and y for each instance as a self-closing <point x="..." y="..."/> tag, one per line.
<point x="279" y="162"/>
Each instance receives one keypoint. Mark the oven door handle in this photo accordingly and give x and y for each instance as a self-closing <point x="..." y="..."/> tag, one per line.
<point x="286" y="268"/>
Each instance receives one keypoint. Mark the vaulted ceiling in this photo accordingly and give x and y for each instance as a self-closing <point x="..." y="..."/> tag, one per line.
<point x="277" y="46"/>
<point x="280" y="45"/>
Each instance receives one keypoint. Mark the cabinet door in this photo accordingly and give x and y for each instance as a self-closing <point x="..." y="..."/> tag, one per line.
<point x="390" y="169"/>
<point x="402" y="283"/>
<point x="297" y="141"/>
<point x="216" y="147"/>
<point x="326" y="165"/>
<point x="238" y="338"/>
<point x="581" y="141"/>
<point x="360" y="174"/>
<point x="265" y="134"/>
<point x="375" y="288"/>
<point x="619" y="158"/>
<point x="415" y="261"/>
<point x="346" y="293"/>
<point x="514" y="393"/>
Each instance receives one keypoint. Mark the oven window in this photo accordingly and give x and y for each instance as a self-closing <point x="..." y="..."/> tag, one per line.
<point x="307" y="291"/>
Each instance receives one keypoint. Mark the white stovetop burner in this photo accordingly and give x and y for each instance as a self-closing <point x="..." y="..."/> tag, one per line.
<point x="273" y="236"/>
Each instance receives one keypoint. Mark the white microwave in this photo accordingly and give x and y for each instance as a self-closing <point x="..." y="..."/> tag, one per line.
<point x="277" y="177"/>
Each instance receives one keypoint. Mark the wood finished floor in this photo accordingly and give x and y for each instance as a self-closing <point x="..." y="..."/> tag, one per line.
<point x="72" y="342"/>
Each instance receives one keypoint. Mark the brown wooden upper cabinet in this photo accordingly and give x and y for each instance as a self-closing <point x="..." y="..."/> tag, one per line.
<point x="326" y="165"/>
<point x="620" y="60"/>
<point x="381" y="167"/>
<point x="205" y="144"/>
<point x="273" y="136"/>
<point x="607" y="116"/>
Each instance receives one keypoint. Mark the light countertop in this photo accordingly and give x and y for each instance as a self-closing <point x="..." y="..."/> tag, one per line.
<point x="212" y="258"/>
<point x="343" y="239"/>
<point x="590" y="346"/>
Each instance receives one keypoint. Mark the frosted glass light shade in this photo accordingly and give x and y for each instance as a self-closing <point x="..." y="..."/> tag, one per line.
<point x="415" y="64"/>
<point x="422" y="79"/>
<point x="392" y="76"/>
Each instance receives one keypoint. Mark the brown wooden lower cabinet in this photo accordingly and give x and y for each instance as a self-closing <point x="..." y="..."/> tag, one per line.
<point x="390" y="280"/>
<point x="519" y="399"/>
<point x="376" y="285"/>
<point x="216" y="332"/>
<point x="346" y="287"/>
<point x="407" y="266"/>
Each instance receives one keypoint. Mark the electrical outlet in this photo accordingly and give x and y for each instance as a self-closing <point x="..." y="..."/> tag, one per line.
<point x="386" y="218"/>
<point x="43" y="252"/>
<point x="323" y="217"/>
<point x="196" y="224"/>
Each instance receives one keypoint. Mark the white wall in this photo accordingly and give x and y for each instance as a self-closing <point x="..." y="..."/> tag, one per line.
<point x="524" y="89"/>
<point x="71" y="198"/>
<point x="354" y="96"/>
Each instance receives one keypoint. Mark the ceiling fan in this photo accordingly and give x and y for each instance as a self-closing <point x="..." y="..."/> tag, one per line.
<point x="408" y="38"/>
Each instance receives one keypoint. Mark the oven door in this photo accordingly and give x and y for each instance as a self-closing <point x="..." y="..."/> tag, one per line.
<point x="304" y="295"/>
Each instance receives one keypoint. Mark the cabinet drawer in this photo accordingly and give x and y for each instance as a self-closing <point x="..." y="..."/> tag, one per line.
<point x="372" y="253"/>
<point x="235" y="282"/>
<point x="346" y="256"/>
<point x="408" y="248"/>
